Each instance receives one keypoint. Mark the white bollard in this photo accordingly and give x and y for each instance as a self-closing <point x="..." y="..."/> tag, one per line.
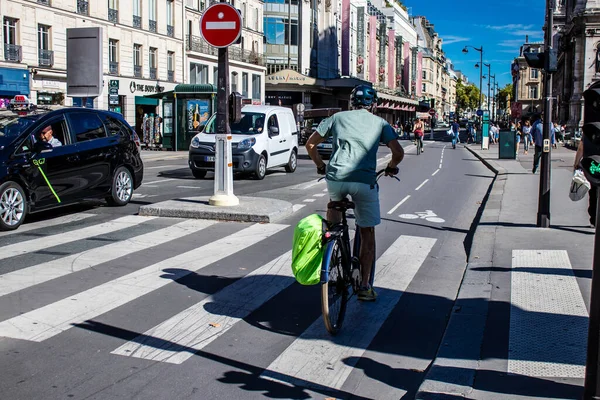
<point x="223" y="195"/>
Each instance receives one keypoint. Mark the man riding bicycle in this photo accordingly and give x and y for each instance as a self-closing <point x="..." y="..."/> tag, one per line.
<point x="419" y="133"/>
<point x="352" y="169"/>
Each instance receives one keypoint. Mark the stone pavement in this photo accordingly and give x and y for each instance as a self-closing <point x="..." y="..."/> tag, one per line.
<point x="158" y="155"/>
<point x="519" y="326"/>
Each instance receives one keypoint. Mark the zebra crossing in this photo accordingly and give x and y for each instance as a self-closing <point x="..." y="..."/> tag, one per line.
<point x="312" y="359"/>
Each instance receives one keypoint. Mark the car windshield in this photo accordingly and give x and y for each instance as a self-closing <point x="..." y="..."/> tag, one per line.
<point x="251" y="124"/>
<point x="12" y="126"/>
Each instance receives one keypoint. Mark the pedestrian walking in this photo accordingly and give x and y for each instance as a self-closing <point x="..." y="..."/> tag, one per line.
<point x="519" y="132"/>
<point x="593" y="192"/>
<point x="538" y="141"/>
<point x="526" y="135"/>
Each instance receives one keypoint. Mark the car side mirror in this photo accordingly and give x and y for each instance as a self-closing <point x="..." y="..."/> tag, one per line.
<point x="273" y="131"/>
<point x="42" y="147"/>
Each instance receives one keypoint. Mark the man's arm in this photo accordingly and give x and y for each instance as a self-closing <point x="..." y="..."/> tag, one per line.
<point x="397" y="153"/>
<point x="311" y="148"/>
<point x="578" y="155"/>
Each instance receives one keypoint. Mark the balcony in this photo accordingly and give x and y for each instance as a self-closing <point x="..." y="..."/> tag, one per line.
<point x="137" y="71"/>
<point x="113" y="15"/>
<point x="113" y="67"/>
<point x="46" y="58"/>
<point x="199" y="45"/>
<point x="83" y="7"/>
<point x="151" y="25"/>
<point x="171" y="76"/>
<point x="137" y="21"/>
<point x="44" y="2"/>
<point x="170" y="30"/>
<point x="13" y="52"/>
<point x="153" y="73"/>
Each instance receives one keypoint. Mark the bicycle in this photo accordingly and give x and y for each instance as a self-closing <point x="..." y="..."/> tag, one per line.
<point x="419" y="143"/>
<point x="340" y="270"/>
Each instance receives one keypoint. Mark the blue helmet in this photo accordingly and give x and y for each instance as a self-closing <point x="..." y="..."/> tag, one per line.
<point x="363" y="95"/>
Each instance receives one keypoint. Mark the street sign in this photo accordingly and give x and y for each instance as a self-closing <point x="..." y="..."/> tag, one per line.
<point x="221" y="25"/>
<point x="300" y="108"/>
<point x="432" y="112"/>
<point x="113" y="92"/>
<point x="479" y="113"/>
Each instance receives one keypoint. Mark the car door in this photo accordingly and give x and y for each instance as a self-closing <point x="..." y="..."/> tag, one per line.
<point x="276" y="143"/>
<point x="97" y="153"/>
<point x="54" y="177"/>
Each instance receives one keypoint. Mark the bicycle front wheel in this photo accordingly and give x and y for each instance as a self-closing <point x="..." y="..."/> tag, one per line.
<point x="334" y="287"/>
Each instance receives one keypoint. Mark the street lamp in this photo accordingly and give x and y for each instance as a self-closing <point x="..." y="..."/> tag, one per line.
<point x="489" y="74"/>
<point x="480" y="50"/>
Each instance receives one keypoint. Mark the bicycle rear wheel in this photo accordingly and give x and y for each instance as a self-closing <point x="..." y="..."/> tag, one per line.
<point x="334" y="288"/>
<point x="418" y="147"/>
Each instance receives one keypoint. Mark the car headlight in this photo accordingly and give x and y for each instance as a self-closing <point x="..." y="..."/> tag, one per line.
<point x="246" y="143"/>
<point x="195" y="142"/>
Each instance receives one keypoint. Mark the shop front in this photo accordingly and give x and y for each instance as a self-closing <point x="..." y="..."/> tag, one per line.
<point x="13" y="82"/>
<point x="48" y="87"/>
<point x="396" y="109"/>
<point x="288" y="87"/>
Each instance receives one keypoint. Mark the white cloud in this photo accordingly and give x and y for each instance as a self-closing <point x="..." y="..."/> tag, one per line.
<point x="511" y="43"/>
<point x="454" y="39"/>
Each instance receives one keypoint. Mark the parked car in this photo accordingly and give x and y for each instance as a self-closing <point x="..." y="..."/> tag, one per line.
<point x="325" y="148"/>
<point x="266" y="137"/>
<point x="63" y="157"/>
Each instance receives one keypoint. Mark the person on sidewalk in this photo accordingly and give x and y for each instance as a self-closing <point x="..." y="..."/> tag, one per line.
<point x="455" y="131"/>
<point x="538" y="140"/>
<point x="593" y="192"/>
<point x="526" y="135"/>
<point x="519" y="132"/>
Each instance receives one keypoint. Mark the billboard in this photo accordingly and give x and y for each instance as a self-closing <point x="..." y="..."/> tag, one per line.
<point x="84" y="62"/>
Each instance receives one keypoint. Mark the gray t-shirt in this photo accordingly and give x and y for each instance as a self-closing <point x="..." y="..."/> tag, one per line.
<point x="356" y="136"/>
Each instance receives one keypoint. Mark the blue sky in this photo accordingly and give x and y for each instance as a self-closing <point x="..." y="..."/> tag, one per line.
<point x="500" y="27"/>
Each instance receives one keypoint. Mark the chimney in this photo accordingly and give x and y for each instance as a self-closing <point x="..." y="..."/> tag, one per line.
<point x="526" y="38"/>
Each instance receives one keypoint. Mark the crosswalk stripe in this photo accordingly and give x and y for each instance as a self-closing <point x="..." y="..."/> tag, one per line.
<point x="50" y="320"/>
<point x="33" y="245"/>
<point x="48" y="223"/>
<point x="314" y="357"/>
<point x="26" y="277"/>
<point x="546" y="302"/>
<point x="209" y="319"/>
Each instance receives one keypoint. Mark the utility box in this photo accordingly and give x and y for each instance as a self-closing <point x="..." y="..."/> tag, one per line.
<point x="507" y="145"/>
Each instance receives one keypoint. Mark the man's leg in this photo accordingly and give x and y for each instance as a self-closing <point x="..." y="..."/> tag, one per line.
<point x="536" y="158"/>
<point x="367" y="253"/>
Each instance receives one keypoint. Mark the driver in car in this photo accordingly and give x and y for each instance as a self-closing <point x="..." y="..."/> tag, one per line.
<point x="258" y="125"/>
<point x="47" y="135"/>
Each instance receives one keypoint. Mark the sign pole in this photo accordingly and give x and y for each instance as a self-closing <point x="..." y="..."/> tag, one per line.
<point x="592" y="383"/>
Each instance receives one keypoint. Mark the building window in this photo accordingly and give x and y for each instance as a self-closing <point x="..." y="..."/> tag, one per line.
<point x="424" y="88"/>
<point x="152" y="62"/>
<point x="137" y="14"/>
<point x="12" y="51"/>
<point x="113" y="13"/>
<point x="244" y="7"/>
<point x="113" y="56"/>
<point x="152" y="15"/>
<point x="234" y="82"/>
<point x="215" y="76"/>
<point x="424" y="74"/>
<point x="277" y="31"/>
<point x="45" y="55"/>
<point x="137" y="60"/>
<point x="171" y="66"/>
<point x="83" y="7"/>
<point x="533" y="92"/>
<point x="256" y="87"/>
<point x="170" y="20"/>
<point x="256" y="19"/>
<point x="245" y="84"/>
<point x="534" y="73"/>
<point x="198" y="73"/>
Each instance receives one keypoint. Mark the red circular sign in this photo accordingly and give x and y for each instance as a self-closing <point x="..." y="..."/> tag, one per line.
<point x="221" y="25"/>
<point x="432" y="112"/>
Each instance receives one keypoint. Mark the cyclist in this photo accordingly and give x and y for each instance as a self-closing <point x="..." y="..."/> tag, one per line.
<point x="352" y="169"/>
<point x="419" y="130"/>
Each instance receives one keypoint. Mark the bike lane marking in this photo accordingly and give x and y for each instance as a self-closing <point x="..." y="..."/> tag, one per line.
<point x="316" y="359"/>
<point x="436" y="171"/>
<point x="399" y="204"/>
<point x="422" y="184"/>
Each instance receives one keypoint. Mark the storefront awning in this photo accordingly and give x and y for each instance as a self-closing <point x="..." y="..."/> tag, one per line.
<point x="398" y="99"/>
<point x="195" y="88"/>
<point x="289" y="76"/>
<point x="347" y="82"/>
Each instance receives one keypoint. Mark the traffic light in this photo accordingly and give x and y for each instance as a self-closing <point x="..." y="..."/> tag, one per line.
<point x="235" y="107"/>
<point x="540" y="61"/>
<point x="591" y="136"/>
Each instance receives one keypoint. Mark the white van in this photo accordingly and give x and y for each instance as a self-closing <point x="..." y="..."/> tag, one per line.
<point x="266" y="137"/>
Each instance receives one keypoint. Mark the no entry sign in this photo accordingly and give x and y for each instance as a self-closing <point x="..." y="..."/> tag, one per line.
<point x="221" y="25"/>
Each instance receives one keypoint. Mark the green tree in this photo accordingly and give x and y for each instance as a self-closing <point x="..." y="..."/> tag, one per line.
<point x="504" y="95"/>
<point x="467" y="96"/>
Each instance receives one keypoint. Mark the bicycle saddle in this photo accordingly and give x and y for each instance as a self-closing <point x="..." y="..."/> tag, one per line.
<point x="341" y="205"/>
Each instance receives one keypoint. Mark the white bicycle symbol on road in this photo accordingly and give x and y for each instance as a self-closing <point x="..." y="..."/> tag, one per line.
<point x="428" y="215"/>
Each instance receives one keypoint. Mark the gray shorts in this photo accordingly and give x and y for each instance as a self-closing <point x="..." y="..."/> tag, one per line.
<point x="365" y="197"/>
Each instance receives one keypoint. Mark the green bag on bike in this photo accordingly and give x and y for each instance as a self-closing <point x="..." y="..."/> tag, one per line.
<point x="307" y="250"/>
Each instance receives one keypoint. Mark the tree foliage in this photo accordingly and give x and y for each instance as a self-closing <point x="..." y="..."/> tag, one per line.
<point x="503" y="96"/>
<point x="467" y="96"/>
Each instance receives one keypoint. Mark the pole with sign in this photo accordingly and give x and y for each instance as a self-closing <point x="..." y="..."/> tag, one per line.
<point x="221" y="26"/>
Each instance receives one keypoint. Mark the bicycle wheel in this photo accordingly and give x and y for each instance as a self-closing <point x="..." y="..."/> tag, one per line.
<point x="334" y="288"/>
<point x="418" y="147"/>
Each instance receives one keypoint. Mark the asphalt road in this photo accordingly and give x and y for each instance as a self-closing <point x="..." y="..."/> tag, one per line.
<point x="100" y="303"/>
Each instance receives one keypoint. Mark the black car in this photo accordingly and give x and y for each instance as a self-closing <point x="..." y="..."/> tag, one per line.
<point x="62" y="157"/>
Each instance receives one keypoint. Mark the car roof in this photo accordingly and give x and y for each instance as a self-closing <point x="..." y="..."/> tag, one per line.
<point x="264" y="109"/>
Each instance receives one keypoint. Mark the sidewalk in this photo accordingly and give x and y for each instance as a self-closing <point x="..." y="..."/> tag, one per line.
<point x="518" y="329"/>
<point x="158" y="155"/>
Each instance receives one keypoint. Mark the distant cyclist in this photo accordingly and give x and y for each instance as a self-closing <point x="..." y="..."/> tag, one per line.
<point x="419" y="130"/>
<point x="352" y="169"/>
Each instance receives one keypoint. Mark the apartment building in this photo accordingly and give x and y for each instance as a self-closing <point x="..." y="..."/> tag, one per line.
<point x="528" y="82"/>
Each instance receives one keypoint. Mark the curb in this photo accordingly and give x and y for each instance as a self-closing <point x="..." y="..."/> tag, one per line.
<point x="453" y="371"/>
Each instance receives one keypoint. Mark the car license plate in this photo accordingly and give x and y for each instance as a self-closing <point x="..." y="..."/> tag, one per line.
<point x="209" y="158"/>
<point x="326" y="145"/>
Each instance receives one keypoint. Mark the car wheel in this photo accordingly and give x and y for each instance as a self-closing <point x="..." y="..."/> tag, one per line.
<point x="122" y="188"/>
<point x="13" y="206"/>
<point x="261" y="168"/>
<point x="198" y="174"/>
<point x="292" y="163"/>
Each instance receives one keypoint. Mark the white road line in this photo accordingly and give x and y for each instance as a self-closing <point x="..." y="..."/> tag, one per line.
<point x="326" y="190"/>
<point x="319" y="194"/>
<point x="178" y="338"/>
<point x="46" y="242"/>
<point x="436" y="171"/>
<point x="312" y="184"/>
<point x="399" y="204"/>
<point x="297" y="207"/>
<point x="48" y="321"/>
<point x="422" y="184"/>
<point x="165" y="166"/>
<point x="189" y="187"/>
<point x="161" y="181"/>
<point x="440" y="166"/>
<point x="315" y="359"/>
<point x="149" y="186"/>
<point x="27" y="277"/>
<point x="546" y="300"/>
<point x="309" y="200"/>
<point x="48" y="223"/>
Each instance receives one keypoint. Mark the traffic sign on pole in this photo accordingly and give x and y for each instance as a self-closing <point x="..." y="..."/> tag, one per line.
<point x="432" y="112"/>
<point x="221" y="25"/>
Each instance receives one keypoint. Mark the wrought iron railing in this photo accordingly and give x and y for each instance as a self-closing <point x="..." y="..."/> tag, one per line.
<point x="197" y="44"/>
<point x="113" y="15"/>
<point x="113" y="68"/>
<point x="151" y="25"/>
<point x="44" y="2"/>
<point x="46" y="58"/>
<point x="137" y="71"/>
<point x="13" y="52"/>
<point x="153" y="73"/>
<point x="170" y="30"/>
<point x="171" y="76"/>
<point x="137" y="21"/>
<point x="83" y="7"/>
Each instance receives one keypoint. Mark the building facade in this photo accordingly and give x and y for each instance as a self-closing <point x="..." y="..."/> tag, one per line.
<point x="528" y="82"/>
